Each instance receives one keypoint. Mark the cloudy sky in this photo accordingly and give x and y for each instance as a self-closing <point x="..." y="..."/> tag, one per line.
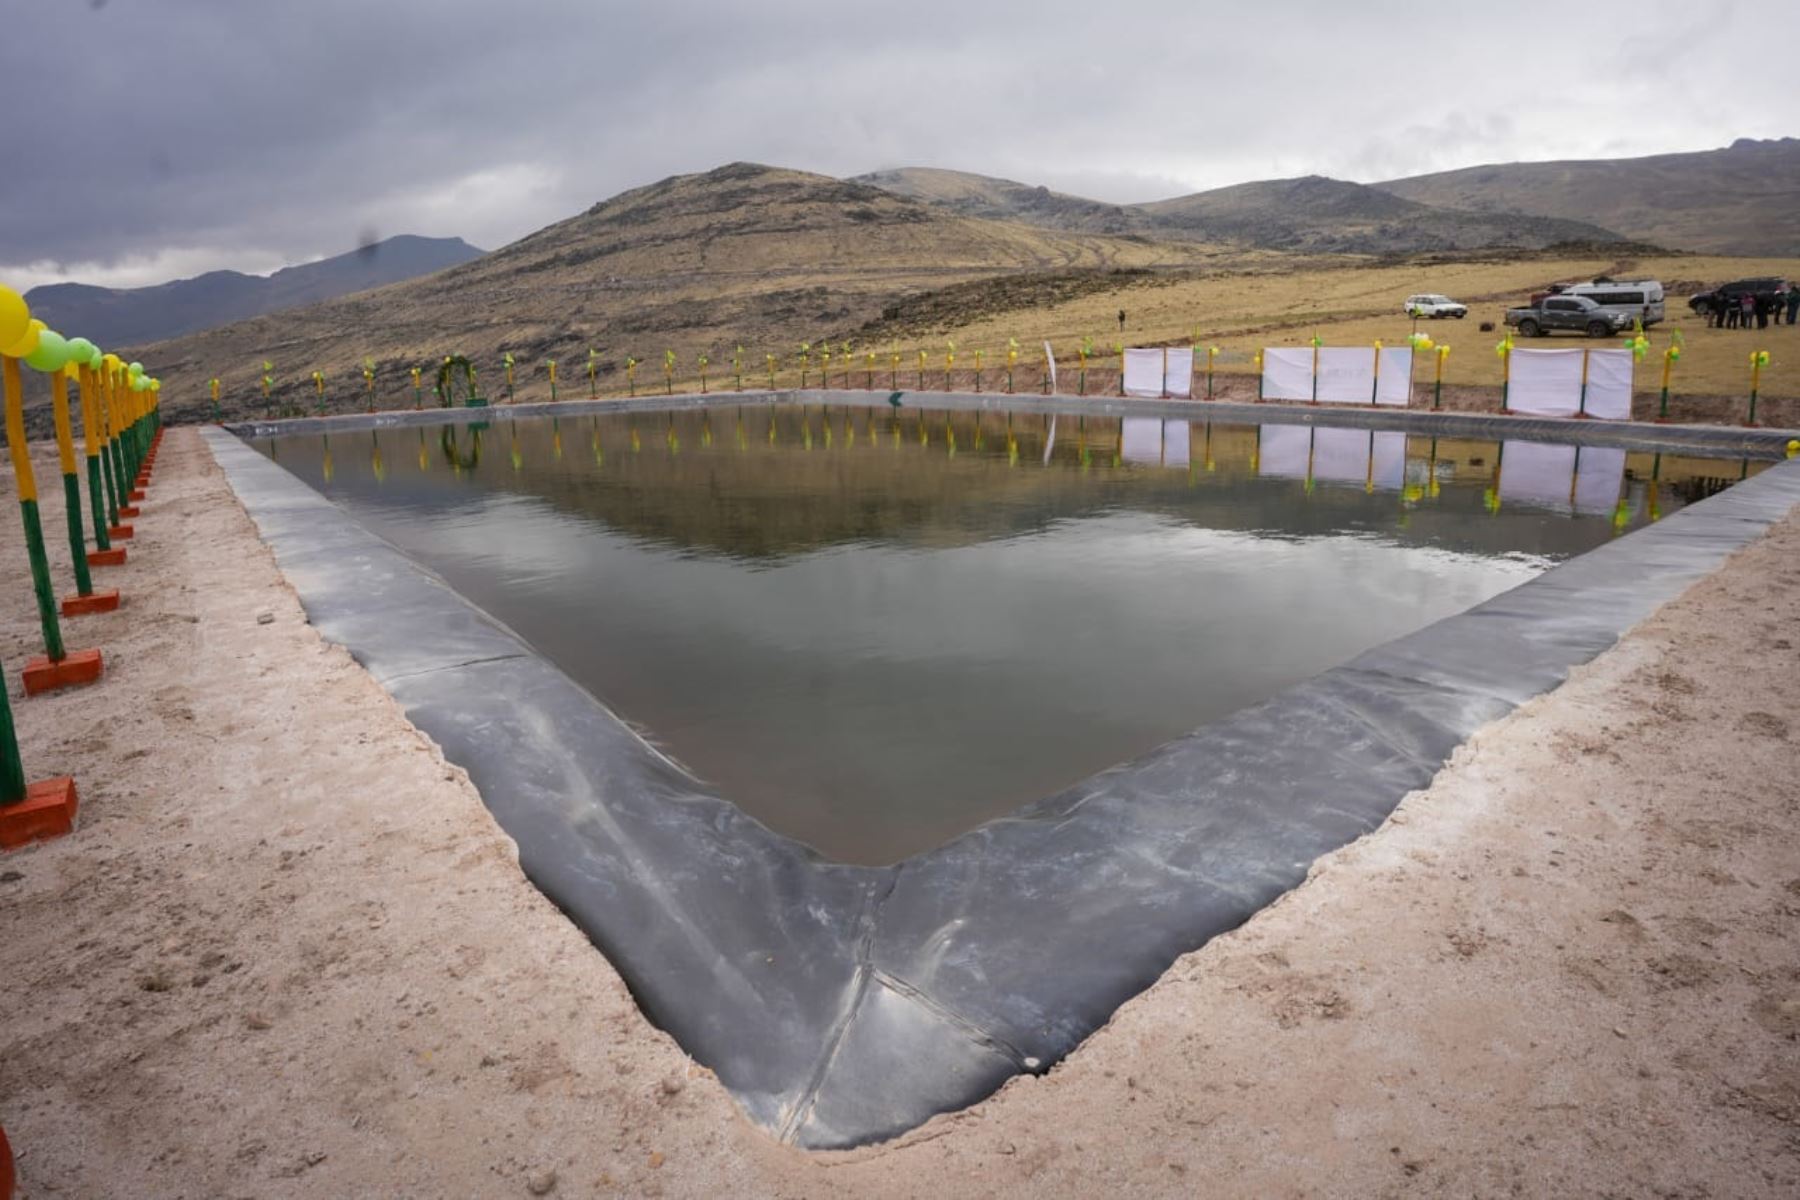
<point x="169" y="137"/>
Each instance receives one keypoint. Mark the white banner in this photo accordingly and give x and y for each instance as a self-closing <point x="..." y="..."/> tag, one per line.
<point x="1395" y="385"/>
<point x="1346" y="375"/>
<point x="1287" y="373"/>
<point x="1050" y="363"/>
<point x="1178" y="373"/>
<point x="1144" y="373"/>
<point x="1609" y="386"/>
<point x="1547" y="383"/>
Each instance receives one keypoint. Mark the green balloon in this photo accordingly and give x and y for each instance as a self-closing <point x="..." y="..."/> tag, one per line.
<point x="97" y="358"/>
<point x="81" y="351"/>
<point x="135" y="369"/>
<point x="51" y="353"/>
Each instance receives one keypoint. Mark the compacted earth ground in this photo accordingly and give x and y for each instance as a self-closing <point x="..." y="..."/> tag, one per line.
<point x="287" y="952"/>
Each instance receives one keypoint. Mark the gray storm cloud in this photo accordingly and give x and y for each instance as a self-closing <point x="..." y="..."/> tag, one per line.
<point x="189" y="134"/>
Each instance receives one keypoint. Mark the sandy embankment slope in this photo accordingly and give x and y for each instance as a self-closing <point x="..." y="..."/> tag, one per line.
<point x="288" y="954"/>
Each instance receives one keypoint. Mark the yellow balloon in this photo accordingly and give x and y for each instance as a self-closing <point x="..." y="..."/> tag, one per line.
<point x="112" y="362"/>
<point x="15" y="316"/>
<point x="27" y="341"/>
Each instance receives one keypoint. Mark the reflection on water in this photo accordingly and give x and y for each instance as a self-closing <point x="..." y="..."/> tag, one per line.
<point x="876" y="628"/>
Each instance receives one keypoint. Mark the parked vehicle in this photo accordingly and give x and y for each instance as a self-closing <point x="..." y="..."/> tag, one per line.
<point x="1430" y="304"/>
<point x="1640" y="300"/>
<point x="1578" y="313"/>
<point x="1764" y="287"/>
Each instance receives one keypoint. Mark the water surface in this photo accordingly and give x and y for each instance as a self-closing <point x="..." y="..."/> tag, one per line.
<point x="875" y="629"/>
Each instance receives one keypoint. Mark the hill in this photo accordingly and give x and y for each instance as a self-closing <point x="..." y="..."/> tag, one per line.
<point x="1319" y="215"/>
<point x="1007" y="200"/>
<point x="1312" y="215"/>
<point x="1743" y="199"/>
<point x="747" y="252"/>
<point x="121" y="316"/>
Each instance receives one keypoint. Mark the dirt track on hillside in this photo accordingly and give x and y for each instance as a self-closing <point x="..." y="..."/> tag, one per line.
<point x="287" y="953"/>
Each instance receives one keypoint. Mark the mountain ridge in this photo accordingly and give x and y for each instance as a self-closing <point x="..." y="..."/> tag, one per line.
<point x="129" y="316"/>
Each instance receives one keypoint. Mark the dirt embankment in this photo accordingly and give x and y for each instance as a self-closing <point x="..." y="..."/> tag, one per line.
<point x="288" y="953"/>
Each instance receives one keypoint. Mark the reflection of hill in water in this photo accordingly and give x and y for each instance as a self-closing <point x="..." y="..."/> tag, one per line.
<point x="762" y="483"/>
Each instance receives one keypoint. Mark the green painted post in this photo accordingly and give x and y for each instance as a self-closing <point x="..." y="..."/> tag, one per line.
<point x="12" y="766"/>
<point x="26" y="482"/>
<point x="65" y="448"/>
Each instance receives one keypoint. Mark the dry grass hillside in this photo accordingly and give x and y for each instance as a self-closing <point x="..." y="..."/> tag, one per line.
<point x="768" y="259"/>
<point x="694" y="264"/>
<point x="1743" y="199"/>
<point x="1310" y="215"/>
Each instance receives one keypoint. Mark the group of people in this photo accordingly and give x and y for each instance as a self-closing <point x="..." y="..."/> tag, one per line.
<point x="1749" y="310"/>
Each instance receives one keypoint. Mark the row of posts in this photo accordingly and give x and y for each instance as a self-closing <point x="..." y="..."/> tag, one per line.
<point x="121" y="428"/>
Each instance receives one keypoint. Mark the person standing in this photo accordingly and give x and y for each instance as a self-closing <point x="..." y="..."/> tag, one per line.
<point x="1793" y="302"/>
<point x="1728" y="306"/>
<point x="1746" y="310"/>
<point x="1121" y="320"/>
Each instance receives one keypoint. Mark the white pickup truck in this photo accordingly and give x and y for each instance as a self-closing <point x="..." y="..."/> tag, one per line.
<point x="1433" y="305"/>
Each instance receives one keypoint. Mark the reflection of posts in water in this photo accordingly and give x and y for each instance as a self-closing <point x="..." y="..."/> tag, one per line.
<point x="1256" y="453"/>
<point x="424" y="454"/>
<point x="674" y="442"/>
<point x="706" y="429"/>
<point x="329" y="469"/>
<point x="376" y="463"/>
<point x="518" y="459"/>
<point x="453" y="453"/>
<point x="1654" y="504"/>
<point x="594" y="444"/>
<point x="1491" y="497"/>
<point x="555" y="440"/>
<point x="1206" y="449"/>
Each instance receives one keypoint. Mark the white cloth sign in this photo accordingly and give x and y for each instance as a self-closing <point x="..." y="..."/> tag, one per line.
<point x="1178" y="373"/>
<point x="1287" y="373"/>
<point x="1144" y="373"/>
<point x="1050" y="363"/>
<point x="1609" y="386"/>
<point x="1346" y="375"/>
<point x="1395" y="384"/>
<point x="1545" y="383"/>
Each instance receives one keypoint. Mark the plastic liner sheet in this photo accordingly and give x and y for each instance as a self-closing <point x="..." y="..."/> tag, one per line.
<point x="843" y="1005"/>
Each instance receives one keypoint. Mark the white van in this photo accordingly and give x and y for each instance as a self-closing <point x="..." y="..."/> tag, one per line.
<point x="1641" y="299"/>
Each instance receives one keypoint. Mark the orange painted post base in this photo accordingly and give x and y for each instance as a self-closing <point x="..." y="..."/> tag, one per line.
<point x="77" y="668"/>
<point x="130" y="510"/>
<point x="96" y="602"/>
<point x="136" y="494"/>
<point x="47" y="811"/>
<point x="119" y="533"/>
<point x="114" y="557"/>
